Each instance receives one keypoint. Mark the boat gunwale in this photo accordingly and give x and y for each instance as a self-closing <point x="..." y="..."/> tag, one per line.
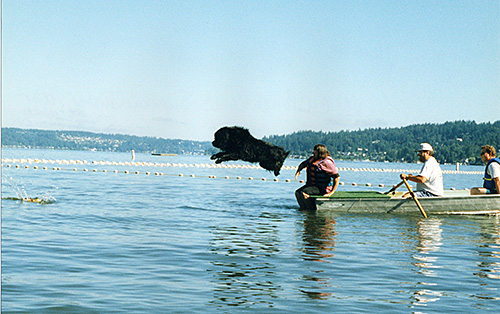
<point x="398" y="196"/>
<point x="393" y="198"/>
<point x="322" y="203"/>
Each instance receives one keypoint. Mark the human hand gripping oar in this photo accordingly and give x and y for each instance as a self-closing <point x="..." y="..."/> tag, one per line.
<point x="414" y="197"/>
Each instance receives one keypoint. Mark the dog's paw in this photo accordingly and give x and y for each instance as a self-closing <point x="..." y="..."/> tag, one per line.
<point x="218" y="156"/>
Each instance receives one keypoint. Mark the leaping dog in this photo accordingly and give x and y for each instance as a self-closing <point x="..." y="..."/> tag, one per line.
<point x="237" y="143"/>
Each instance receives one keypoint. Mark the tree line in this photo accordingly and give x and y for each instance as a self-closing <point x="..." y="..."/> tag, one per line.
<point x="453" y="142"/>
<point x="80" y="140"/>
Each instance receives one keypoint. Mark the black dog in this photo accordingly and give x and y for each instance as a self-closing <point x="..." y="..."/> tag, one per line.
<point x="237" y="143"/>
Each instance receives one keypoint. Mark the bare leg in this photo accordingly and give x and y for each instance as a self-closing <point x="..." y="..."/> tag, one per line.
<point x="304" y="199"/>
<point x="478" y="191"/>
<point x="299" y="195"/>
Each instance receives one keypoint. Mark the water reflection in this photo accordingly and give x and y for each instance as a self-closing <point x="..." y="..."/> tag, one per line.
<point x="320" y="284"/>
<point x="319" y="245"/>
<point x="489" y="254"/>
<point x="241" y="267"/>
<point x="429" y="235"/>
<point x="484" y="253"/>
<point x="319" y="237"/>
<point x="429" y="241"/>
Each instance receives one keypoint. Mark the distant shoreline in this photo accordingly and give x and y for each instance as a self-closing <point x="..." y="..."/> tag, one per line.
<point x="455" y="142"/>
<point x="174" y="155"/>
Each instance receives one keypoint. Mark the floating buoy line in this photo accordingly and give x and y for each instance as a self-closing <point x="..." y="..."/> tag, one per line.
<point x="26" y="164"/>
<point x="184" y="165"/>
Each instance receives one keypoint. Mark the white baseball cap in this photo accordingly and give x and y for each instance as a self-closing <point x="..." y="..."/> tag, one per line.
<point x="425" y="147"/>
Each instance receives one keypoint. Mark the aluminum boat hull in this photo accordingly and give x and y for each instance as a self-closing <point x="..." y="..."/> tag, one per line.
<point x="453" y="203"/>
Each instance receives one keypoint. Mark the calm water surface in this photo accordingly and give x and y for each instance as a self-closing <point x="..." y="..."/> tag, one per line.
<point x="135" y="243"/>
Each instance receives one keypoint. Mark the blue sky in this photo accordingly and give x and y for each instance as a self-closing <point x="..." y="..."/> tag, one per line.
<point x="183" y="69"/>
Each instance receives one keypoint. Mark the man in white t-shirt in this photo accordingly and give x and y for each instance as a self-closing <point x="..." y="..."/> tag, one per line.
<point x="491" y="183"/>
<point x="430" y="179"/>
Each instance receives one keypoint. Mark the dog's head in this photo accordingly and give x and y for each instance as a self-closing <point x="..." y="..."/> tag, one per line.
<point x="227" y="137"/>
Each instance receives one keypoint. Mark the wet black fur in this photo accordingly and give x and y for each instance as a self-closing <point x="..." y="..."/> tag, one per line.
<point x="237" y="143"/>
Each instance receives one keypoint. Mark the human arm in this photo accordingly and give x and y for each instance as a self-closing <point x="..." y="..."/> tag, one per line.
<point x="328" y="166"/>
<point x="494" y="171"/>
<point x="297" y="174"/>
<point x="410" y="177"/>
<point x="300" y="167"/>
<point x="497" y="183"/>
<point x="429" y="169"/>
<point x="336" y="181"/>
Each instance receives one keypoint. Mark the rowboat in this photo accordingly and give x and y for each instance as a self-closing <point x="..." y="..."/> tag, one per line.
<point x="454" y="202"/>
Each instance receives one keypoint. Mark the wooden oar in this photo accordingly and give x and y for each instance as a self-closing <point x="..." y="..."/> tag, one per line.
<point x="394" y="188"/>
<point x="415" y="198"/>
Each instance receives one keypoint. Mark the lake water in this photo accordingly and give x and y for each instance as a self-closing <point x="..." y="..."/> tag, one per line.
<point x="109" y="242"/>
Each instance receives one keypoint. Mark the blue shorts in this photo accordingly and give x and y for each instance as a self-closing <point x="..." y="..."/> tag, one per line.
<point x="424" y="194"/>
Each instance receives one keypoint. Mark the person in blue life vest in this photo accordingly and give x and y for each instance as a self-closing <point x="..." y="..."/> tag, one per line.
<point x="322" y="177"/>
<point x="491" y="184"/>
<point x="430" y="179"/>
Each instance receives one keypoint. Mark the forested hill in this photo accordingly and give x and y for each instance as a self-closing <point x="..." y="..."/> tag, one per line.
<point x="458" y="141"/>
<point x="79" y="140"/>
<point x="453" y="142"/>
